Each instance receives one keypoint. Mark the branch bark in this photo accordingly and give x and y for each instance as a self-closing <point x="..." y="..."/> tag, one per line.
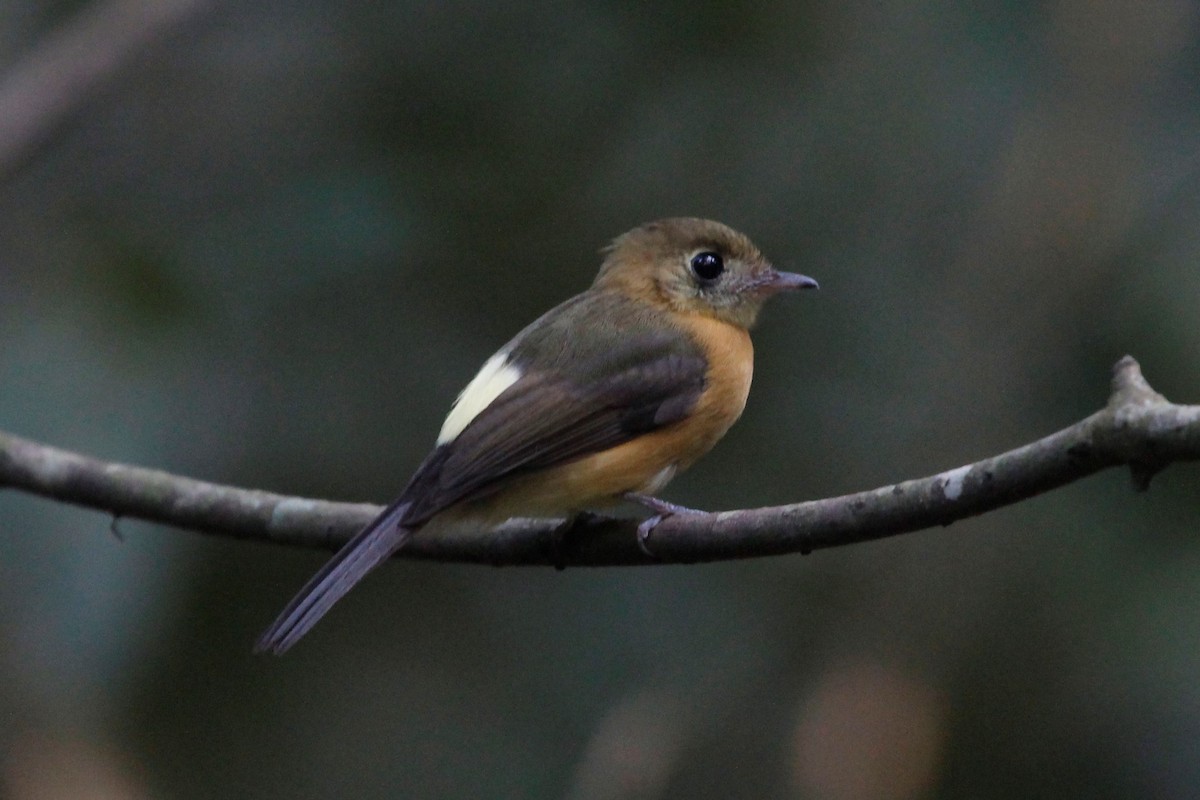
<point x="1138" y="428"/>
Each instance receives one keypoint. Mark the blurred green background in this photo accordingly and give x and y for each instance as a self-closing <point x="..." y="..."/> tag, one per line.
<point x="266" y="243"/>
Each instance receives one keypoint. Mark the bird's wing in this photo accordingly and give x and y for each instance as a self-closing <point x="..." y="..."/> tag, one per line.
<point x="638" y="381"/>
<point x="548" y="418"/>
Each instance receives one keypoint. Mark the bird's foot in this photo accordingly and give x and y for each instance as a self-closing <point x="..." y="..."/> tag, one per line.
<point x="558" y="537"/>
<point x="662" y="509"/>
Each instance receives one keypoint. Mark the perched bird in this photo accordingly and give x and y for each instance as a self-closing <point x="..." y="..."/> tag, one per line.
<point x="605" y="397"/>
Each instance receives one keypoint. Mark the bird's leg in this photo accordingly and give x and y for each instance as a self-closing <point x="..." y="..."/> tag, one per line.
<point x="558" y="536"/>
<point x="662" y="509"/>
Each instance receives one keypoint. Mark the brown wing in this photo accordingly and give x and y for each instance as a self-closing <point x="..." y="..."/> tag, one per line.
<point x="543" y="420"/>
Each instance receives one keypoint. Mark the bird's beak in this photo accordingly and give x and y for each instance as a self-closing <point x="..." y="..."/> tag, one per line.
<point x="786" y="282"/>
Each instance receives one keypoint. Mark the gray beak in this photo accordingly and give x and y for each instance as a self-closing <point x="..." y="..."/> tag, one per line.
<point x="787" y="282"/>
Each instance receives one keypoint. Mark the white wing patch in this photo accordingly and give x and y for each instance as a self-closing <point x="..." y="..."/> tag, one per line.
<point x="494" y="377"/>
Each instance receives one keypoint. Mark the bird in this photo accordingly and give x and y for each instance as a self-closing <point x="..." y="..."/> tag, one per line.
<point x="604" y="398"/>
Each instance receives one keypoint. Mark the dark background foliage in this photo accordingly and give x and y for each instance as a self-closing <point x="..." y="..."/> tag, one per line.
<point x="273" y="243"/>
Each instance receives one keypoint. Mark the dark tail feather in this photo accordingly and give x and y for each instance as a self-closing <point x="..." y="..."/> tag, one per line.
<point x="370" y="547"/>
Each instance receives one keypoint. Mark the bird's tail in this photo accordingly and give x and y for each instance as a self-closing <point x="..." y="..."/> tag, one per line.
<point x="370" y="547"/>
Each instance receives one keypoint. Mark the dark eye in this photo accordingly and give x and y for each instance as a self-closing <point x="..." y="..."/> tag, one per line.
<point x="708" y="266"/>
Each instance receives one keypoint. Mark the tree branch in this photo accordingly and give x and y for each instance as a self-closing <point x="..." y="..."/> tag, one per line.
<point x="59" y="72"/>
<point x="1138" y="428"/>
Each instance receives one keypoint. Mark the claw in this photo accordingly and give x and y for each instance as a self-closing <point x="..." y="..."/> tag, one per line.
<point x="644" y="529"/>
<point x="662" y="509"/>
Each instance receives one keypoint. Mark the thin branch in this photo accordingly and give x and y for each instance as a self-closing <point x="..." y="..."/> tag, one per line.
<point x="56" y="75"/>
<point x="1138" y="428"/>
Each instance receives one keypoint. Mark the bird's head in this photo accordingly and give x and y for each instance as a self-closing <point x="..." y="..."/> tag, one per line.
<point x="695" y="266"/>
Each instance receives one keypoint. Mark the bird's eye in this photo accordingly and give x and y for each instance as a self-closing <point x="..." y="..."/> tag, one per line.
<point x="708" y="265"/>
